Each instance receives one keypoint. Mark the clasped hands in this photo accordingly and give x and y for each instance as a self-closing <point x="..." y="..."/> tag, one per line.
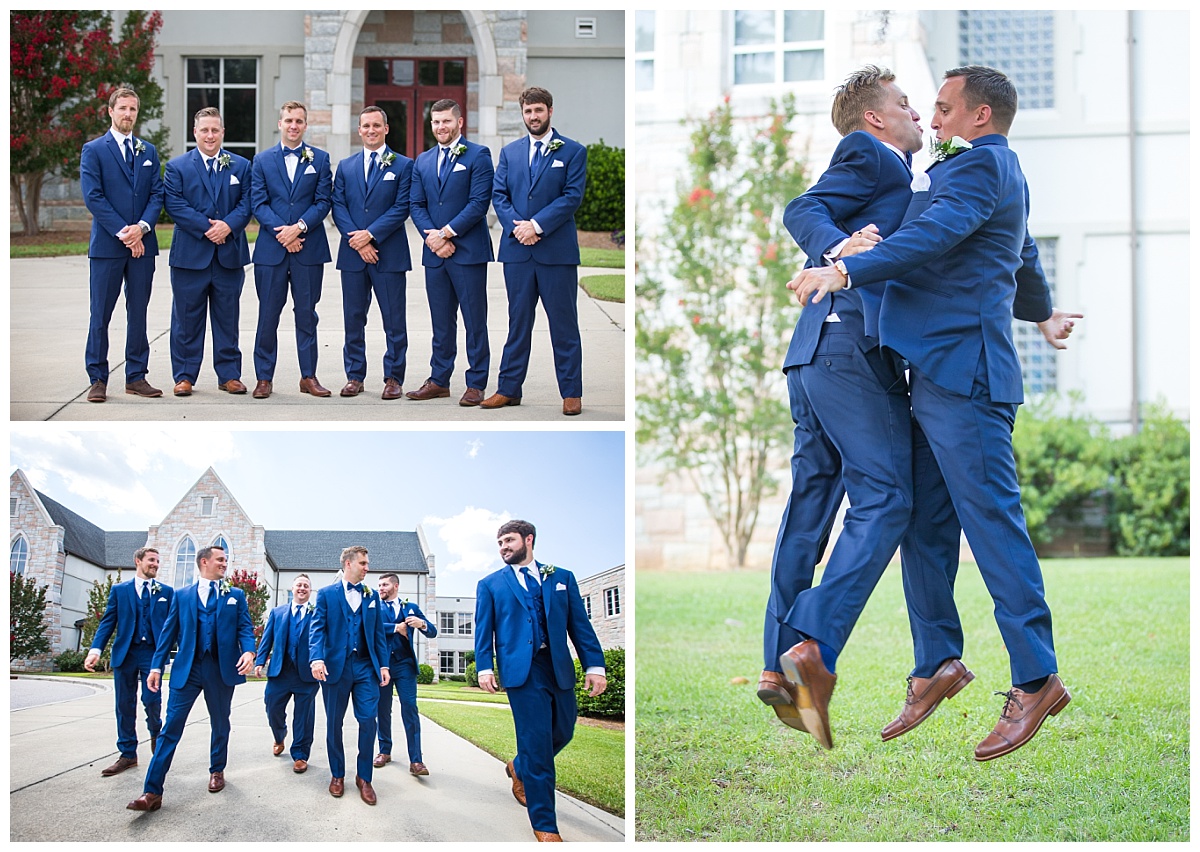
<point x="438" y="244"/>
<point x="524" y="231"/>
<point x="290" y="237"/>
<point x="131" y="236"/>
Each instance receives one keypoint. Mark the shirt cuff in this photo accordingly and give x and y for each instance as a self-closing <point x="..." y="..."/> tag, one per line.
<point x="145" y="226"/>
<point x="831" y="256"/>
<point x="596" y="670"/>
<point x="96" y="651"/>
<point x="449" y="230"/>
<point x="536" y="226"/>
<point x="483" y="672"/>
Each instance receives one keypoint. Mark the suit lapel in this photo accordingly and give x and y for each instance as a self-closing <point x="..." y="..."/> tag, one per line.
<point x="430" y="167"/>
<point x="282" y="167"/>
<point x="547" y="595"/>
<point x="119" y="155"/>
<point x="510" y="580"/>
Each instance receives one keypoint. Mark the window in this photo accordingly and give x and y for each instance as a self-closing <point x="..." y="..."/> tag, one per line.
<point x="446" y="662"/>
<point x="231" y="85"/>
<point x="1021" y="43"/>
<point x="13" y="506"/>
<point x="18" y="556"/>
<point x="1039" y="363"/>
<point x="466" y="623"/>
<point x="185" y="563"/>
<point x="778" y="46"/>
<point x="587" y="605"/>
<point x="207" y="505"/>
<point x="221" y="542"/>
<point x="643" y="51"/>
<point x="612" y="602"/>
<point x="446" y="623"/>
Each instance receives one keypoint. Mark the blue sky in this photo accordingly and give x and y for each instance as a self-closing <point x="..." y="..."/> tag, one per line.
<point x="459" y="485"/>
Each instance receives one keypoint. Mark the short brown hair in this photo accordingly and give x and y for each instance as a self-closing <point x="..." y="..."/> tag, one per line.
<point x="140" y="553"/>
<point x="206" y="552"/>
<point x="862" y="91"/>
<point x="298" y="576"/>
<point x="207" y="112"/>
<point x="521" y="528"/>
<point x="352" y="551"/>
<point x="446" y="105"/>
<point x="537" y="95"/>
<point x="984" y="85"/>
<point x="293" y="105"/>
<point x="395" y="578"/>
<point x="371" y="108"/>
<point x="122" y="92"/>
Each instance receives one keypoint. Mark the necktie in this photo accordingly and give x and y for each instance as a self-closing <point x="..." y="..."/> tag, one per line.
<point x="297" y="622"/>
<point x="144" y="629"/>
<point x="533" y="595"/>
<point x="129" y="155"/>
<point x="212" y="176"/>
<point x="444" y="169"/>
<point x="212" y="596"/>
<point x="372" y="171"/>
<point x="537" y="161"/>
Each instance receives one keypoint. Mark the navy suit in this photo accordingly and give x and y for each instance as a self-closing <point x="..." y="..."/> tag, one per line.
<point x="206" y="277"/>
<point x="403" y="666"/>
<point x="955" y="268"/>
<point x="458" y="282"/>
<point x="540" y="683"/>
<point x="380" y="206"/>
<point x="117" y="195"/>
<point x="851" y="410"/>
<point x="133" y="628"/>
<point x="277" y="201"/>
<point x="196" y="669"/>
<point x="354" y="650"/>
<point x="289" y="676"/>
<point x="547" y="270"/>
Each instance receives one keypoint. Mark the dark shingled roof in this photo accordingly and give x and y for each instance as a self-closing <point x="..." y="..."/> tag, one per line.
<point x="84" y="539"/>
<point x="297" y="550"/>
<point x="120" y="547"/>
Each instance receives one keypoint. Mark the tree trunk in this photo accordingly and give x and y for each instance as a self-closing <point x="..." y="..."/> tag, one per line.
<point x="29" y="201"/>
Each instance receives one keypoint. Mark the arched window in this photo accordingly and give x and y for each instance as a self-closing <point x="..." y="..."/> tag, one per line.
<point x="221" y="542"/>
<point x="185" y="563"/>
<point x="18" y="556"/>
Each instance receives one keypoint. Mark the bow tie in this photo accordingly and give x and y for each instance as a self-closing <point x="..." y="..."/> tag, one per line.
<point x="297" y="151"/>
<point x="356" y="586"/>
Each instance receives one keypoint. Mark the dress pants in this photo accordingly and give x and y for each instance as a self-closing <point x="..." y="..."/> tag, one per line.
<point x="134" y="669"/>
<point x="451" y="287"/>
<point x="360" y="679"/>
<point x="389" y="289"/>
<point x="106" y="276"/>
<point x="271" y="284"/>
<point x="558" y="288"/>
<point x="205" y="677"/>
<point x="217" y="291"/>
<point x="284" y="686"/>
<point x="404" y="680"/>
<point x="544" y="718"/>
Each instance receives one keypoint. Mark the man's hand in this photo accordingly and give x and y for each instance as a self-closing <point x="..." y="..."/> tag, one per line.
<point x="595" y="684"/>
<point x="487" y="682"/>
<point x="369" y="254"/>
<point x="359" y="239"/>
<point x="295" y="246"/>
<point x="524" y="231"/>
<point x="416" y="623"/>
<point x="288" y="234"/>
<point x="90" y="662"/>
<point x="245" y="663"/>
<point x="434" y="239"/>
<point x="154" y="681"/>
<point x="1058" y="327"/>
<point x="448" y="248"/>
<point x="218" y="231"/>
<point x="860" y="241"/>
<point x="258" y="671"/>
<point x="385" y="677"/>
<point x="319" y="671"/>
<point x="815" y="283"/>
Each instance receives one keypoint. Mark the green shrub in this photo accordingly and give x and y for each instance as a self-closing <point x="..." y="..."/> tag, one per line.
<point x="70" y="661"/>
<point x="611" y="702"/>
<point x="472" y="674"/>
<point x="603" y="207"/>
<point x="424" y="673"/>
<point x="456" y="678"/>
<point x="1151" y="492"/>
<point x="468" y="657"/>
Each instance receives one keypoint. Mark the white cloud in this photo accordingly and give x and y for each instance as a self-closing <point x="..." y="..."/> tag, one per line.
<point x="473" y="447"/>
<point x="466" y="543"/>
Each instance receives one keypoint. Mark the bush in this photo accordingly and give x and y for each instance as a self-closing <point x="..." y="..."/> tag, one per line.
<point x="603" y="206"/>
<point x="468" y="657"/>
<point x="472" y="675"/>
<point x="70" y="661"/>
<point x="424" y="673"/>
<point x="611" y="702"/>
<point x="1151" y="491"/>
<point x="456" y="678"/>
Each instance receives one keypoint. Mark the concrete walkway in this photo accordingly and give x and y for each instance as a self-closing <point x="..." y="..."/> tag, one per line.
<point x="48" y="330"/>
<point x="56" y="792"/>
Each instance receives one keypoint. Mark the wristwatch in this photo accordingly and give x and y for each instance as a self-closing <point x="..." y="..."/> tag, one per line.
<point x="145" y="228"/>
<point x="841" y="267"/>
<point x="303" y="227"/>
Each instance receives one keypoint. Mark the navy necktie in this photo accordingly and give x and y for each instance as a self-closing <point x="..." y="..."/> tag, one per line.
<point x="533" y="595"/>
<point x="212" y="176"/>
<point x="212" y="596"/>
<point x="129" y="155"/>
<point x="297" y="623"/>
<point x="444" y="169"/>
<point x="373" y="171"/>
<point x="144" y="632"/>
<point x="536" y="163"/>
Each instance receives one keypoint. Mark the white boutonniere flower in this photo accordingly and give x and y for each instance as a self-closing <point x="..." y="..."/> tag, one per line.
<point x="307" y="156"/>
<point x="458" y="150"/>
<point x="387" y="159"/>
<point x="155" y="588"/>
<point x="546" y="570"/>
<point x="554" y="145"/>
<point x="223" y="161"/>
<point x="223" y="587"/>
<point x="945" y="150"/>
<point x="139" y="147"/>
<point x="310" y="607"/>
<point x="366" y="593"/>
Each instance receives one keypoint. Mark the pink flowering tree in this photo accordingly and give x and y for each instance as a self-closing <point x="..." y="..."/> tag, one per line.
<point x="713" y="317"/>
<point x="256" y="597"/>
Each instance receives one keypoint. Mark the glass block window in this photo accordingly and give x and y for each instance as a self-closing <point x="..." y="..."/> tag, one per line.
<point x="643" y="51"/>
<point x="612" y="601"/>
<point x="778" y="46"/>
<point x="1019" y="43"/>
<point x="1039" y="362"/>
<point x="185" y="563"/>
<point x="231" y="85"/>
<point x="18" y="556"/>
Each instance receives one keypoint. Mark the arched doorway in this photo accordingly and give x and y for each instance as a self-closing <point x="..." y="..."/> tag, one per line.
<point x="406" y="88"/>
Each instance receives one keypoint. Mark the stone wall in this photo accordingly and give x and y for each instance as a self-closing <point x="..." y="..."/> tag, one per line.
<point x="46" y="564"/>
<point x="609" y="630"/>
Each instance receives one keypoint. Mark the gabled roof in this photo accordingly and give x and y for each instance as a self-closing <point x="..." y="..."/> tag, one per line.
<point x="298" y="550"/>
<point x="81" y="537"/>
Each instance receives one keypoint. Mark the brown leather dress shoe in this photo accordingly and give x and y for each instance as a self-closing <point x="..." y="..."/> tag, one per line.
<point x="391" y="389"/>
<point x="216" y="782"/>
<point x="310" y="385"/>
<point x="98" y="392"/>
<point x="142" y="388"/>
<point x="277" y="749"/>
<point x="120" y="766"/>
<point x="518" y="788"/>
<point x="381" y="760"/>
<point x="418" y="768"/>
<point x="365" y="790"/>
<point x="353" y="388"/>
<point x="232" y="386"/>
<point x="429" y="390"/>
<point x="1021" y="718"/>
<point x="145" y="802"/>
<point x="183" y="388"/>
<point x="547" y="837"/>
<point x="925" y="694"/>
<point x="300" y="766"/>
<point x="814" y="685"/>
<point x="779" y="693"/>
<point x="337" y="786"/>
<point x="499" y="400"/>
<point x="262" y="390"/>
<point x="470" y="397"/>
<point x="572" y="405"/>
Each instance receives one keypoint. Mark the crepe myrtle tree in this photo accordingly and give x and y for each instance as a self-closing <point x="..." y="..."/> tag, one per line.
<point x="256" y="597"/>
<point x="97" y="602"/>
<point x="713" y="317"/>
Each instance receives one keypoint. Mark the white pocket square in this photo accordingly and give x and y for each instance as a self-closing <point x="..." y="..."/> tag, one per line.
<point x="162" y="600"/>
<point x="371" y="605"/>
<point x="147" y="163"/>
<point x="389" y="175"/>
<point x="233" y="181"/>
<point x="459" y="167"/>
<point x="561" y="587"/>
<point x="557" y="164"/>
<point x="231" y="602"/>
<point x="920" y="182"/>
<point x="310" y="171"/>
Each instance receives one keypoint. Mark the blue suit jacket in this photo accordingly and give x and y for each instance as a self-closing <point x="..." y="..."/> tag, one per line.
<point x="462" y="203"/>
<point x="329" y="633"/>
<point x="114" y="199"/>
<point x="552" y="200"/>
<point x="191" y="204"/>
<point x="121" y="616"/>
<point x="382" y="211"/>
<point x="274" y="643"/>
<point x="866" y="183"/>
<point x="276" y="202"/>
<point x="502" y="621"/>
<point x="235" y="633"/>
<point x="956" y="265"/>
<point x="397" y="644"/>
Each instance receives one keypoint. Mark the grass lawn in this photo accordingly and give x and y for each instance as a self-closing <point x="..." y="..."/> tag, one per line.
<point x="62" y="244"/>
<point x="449" y="690"/>
<point x="591" y="767"/>
<point x="606" y="288"/>
<point x="603" y="258"/>
<point x="713" y="763"/>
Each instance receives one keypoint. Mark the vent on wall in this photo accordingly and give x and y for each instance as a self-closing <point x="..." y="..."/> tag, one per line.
<point x="585" y="28"/>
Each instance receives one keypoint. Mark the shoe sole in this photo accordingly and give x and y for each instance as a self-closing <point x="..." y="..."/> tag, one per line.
<point x="144" y="395"/>
<point x="150" y="809"/>
<point x="506" y="405"/>
<point x="188" y="393"/>
<point x="1053" y="711"/>
<point x="234" y="392"/>
<point x="784" y="709"/>
<point x="317" y="395"/>
<point x="950" y="693"/>
<point x="809" y="715"/>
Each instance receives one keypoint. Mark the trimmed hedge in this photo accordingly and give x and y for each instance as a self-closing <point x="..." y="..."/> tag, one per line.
<point x="425" y="673"/>
<point x="611" y="702"/>
<point x="603" y="207"/>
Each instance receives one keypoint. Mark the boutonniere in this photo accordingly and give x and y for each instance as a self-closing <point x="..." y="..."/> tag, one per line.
<point x="310" y="607"/>
<point x="545" y="570"/>
<point x="387" y="159"/>
<point x="366" y="592"/>
<point x="155" y="588"/>
<point x="223" y="161"/>
<point x="139" y="147"/>
<point x="945" y="150"/>
<point x="307" y="156"/>
<point x="223" y="587"/>
<point x="458" y="150"/>
<point x="554" y="145"/>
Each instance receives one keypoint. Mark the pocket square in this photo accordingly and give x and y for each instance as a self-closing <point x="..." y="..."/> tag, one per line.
<point x="147" y="163"/>
<point x="162" y="600"/>
<point x="561" y="587"/>
<point x="459" y="167"/>
<point x="231" y="601"/>
<point x="920" y="182"/>
<point x="557" y="164"/>
<point x="233" y="181"/>
<point x="389" y="175"/>
<point x="310" y="171"/>
<point x="372" y="605"/>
